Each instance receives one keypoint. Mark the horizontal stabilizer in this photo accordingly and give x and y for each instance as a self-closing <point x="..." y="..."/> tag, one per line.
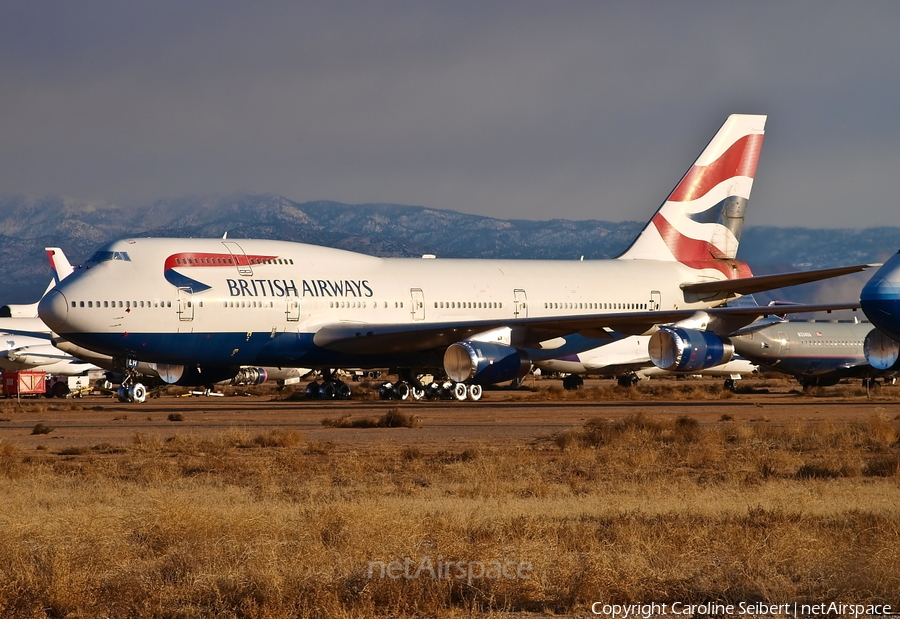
<point x="761" y="283"/>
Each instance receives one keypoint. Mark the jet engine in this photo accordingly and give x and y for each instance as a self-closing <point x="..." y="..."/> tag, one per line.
<point x="250" y="376"/>
<point x="688" y="350"/>
<point x="881" y="351"/>
<point x="484" y="363"/>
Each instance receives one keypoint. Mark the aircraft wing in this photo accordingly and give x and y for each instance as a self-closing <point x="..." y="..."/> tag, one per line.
<point x="38" y="335"/>
<point x="31" y="353"/>
<point x="761" y="283"/>
<point x="364" y="338"/>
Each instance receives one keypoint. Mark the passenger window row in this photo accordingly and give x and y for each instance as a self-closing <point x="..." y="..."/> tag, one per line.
<point x="468" y="305"/>
<point x="151" y="304"/>
<point x="125" y="304"/>
<point x="597" y="306"/>
<point x="362" y="304"/>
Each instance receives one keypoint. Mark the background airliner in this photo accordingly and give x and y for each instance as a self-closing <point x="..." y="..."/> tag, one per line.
<point x="815" y="352"/>
<point x="629" y="361"/>
<point x="25" y="339"/>
<point x="199" y="308"/>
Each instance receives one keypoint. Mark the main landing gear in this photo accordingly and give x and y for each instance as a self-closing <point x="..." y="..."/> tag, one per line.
<point x="331" y="388"/>
<point x="628" y="380"/>
<point x="447" y="390"/>
<point x="408" y="387"/>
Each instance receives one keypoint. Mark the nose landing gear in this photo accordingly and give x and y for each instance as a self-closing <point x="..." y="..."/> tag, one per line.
<point x="131" y="391"/>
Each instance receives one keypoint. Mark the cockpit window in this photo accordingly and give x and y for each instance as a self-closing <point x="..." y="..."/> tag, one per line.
<point x="103" y="256"/>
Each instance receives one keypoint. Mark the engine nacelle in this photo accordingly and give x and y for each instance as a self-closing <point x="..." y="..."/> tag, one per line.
<point x="19" y="311"/>
<point x="34" y="356"/>
<point x="250" y="376"/>
<point x="484" y="363"/>
<point x="688" y="350"/>
<point x="882" y="352"/>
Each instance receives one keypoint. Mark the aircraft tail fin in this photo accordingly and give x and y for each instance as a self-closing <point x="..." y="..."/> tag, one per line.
<point x="61" y="269"/>
<point x="701" y="220"/>
<point x="59" y="264"/>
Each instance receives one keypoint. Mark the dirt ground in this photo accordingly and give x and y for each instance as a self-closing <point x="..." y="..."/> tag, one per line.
<point x="501" y="419"/>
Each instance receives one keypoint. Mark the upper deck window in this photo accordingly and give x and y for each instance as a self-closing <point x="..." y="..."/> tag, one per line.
<point x="104" y="256"/>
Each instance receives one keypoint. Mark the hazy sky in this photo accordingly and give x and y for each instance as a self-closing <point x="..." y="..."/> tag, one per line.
<point x="506" y="108"/>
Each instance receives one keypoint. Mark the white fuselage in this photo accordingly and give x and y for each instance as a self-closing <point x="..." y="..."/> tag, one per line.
<point x="209" y="301"/>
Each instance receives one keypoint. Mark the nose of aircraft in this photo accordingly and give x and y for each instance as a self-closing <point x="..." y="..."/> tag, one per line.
<point x="880" y="298"/>
<point x="54" y="310"/>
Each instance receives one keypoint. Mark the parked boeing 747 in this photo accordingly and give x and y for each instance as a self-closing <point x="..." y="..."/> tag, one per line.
<point x="200" y="308"/>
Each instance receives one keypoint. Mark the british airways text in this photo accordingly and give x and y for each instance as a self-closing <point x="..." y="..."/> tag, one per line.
<point x="308" y="288"/>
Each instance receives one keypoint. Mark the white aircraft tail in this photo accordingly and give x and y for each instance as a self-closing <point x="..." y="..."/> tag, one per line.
<point x="59" y="264"/>
<point x="700" y="222"/>
<point x="61" y="270"/>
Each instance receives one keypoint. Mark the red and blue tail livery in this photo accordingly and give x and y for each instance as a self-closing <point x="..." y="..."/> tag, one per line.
<point x="700" y="223"/>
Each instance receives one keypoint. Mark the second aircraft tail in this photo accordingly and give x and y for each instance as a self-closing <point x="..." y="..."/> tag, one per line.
<point x="701" y="220"/>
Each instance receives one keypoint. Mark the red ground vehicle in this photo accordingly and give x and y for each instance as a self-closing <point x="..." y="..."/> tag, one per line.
<point x="26" y="383"/>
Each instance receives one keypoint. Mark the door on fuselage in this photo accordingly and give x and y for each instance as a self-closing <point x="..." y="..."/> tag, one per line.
<point x="418" y="303"/>
<point x="784" y="344"/>
<point x="520" y="305"/>
<point x="240" y="258"/>
<point x="185" y="305"/>
<point x="293" y="310"/>
<point x="655" y="300"/>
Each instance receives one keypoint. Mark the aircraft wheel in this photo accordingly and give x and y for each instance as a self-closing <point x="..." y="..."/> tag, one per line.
<point x="122" y="394"/>
<point x="572" y="382"/>
<point x="328" y="391"/>
<point x="386" y="391"/>
<point x="403" y="390"/>
<point x="460" y="392"/>
<point x="474" y="392"/>
<point x="344" y="392"/>
<point x="729" y="384"/>
<point x="628" y="380"/>
<point x="430" y="392"/>
<point x="138" y="393"/>
<point x="418" y="393"/>
<point x="60" y="390"/>
<point x="313" y="391"/>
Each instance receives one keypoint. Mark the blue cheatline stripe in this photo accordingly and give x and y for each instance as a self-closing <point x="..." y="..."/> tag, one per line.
<point x="183" y="281"/>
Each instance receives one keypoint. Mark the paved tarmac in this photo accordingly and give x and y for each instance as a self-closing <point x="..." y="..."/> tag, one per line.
<point x="501" y="419"/>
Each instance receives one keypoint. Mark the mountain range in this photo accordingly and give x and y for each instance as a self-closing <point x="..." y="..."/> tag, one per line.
<point x="28" y="225"/>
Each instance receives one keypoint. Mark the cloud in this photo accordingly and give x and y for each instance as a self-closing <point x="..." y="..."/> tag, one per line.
<point x="510" y="108"/>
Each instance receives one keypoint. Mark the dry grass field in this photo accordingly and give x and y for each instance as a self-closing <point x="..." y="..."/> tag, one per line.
<point x="286" y="509"/>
